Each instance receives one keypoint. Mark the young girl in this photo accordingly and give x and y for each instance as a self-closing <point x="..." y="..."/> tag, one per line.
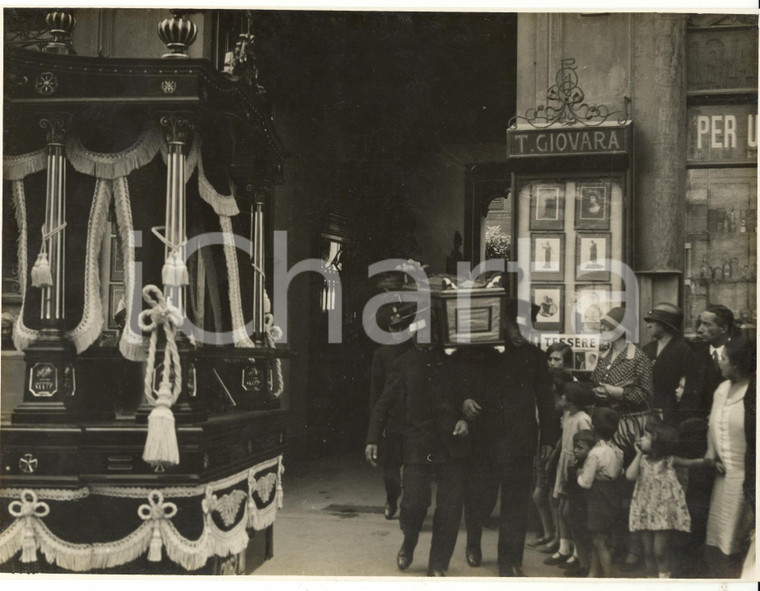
<point x="658" y="506"/>
<point x="559" y="356"/>
<point x="575" y="398"/>
<point x="577" y="517"/>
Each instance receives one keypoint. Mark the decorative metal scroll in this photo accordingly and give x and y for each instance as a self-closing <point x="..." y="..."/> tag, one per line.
<point x="566" y="104"/>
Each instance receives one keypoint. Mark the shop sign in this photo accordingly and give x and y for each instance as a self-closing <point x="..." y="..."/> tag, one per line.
<point x="585" y="348"/>
<point x="527" y="143"/>
<point x="43" y="380"/>
<point x="723" y="132"/>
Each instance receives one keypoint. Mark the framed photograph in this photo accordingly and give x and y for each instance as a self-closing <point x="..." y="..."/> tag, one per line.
<point x="547" y="207"/>
<point x="592" y="252"/>
<point x="592" y="207"/>
<point x="592" y="302"/>
<point x="117" y="261"/>
<point x="550" y="300"/>
<point x="115" y="297"/>
<point x="547" y="257"/>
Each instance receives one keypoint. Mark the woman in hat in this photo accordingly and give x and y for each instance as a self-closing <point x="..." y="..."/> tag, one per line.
<point x="670" y="355"/>
<point x="622" y="380"/>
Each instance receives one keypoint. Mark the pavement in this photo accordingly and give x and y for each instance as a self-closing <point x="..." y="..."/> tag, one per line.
<point x="332" y="525"/>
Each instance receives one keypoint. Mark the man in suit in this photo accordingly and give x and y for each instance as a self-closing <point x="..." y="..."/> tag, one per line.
<point x="435" y="445"/>
<point x="398" y="319"/>
<point x="715" y="327"/>
<point x="670" y="354"/>
<point x="504" y="391"/>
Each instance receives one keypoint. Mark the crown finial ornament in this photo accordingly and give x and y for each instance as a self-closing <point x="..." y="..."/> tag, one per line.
<point x="61" y="23"/>
<point x="178" y="33"/>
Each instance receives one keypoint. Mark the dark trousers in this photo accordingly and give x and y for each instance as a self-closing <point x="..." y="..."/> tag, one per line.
<point x="418" y="479"/>
<point x="393" y="458"/>
<point x="514" y="475"/>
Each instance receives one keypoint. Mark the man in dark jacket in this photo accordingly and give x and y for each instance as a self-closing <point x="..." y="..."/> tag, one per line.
<point x="505" y="389"/>
<point x="670" y="355"/>
<point x="435" y="445"/>
<point x="714" y="327"/>
<point x="399" y="317"/>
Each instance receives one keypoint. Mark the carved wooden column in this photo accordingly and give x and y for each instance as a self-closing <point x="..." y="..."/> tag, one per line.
<point x="177" y="127"/>
<point x="259" y="336"/>
<point x="52" y="306"/>
<point x="50" y="375"/>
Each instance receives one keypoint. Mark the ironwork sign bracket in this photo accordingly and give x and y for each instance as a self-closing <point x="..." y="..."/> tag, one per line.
<point x="566" y="104"/>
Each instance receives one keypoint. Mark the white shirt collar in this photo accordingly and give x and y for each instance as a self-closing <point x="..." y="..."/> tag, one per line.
<point x="718" y="349"/>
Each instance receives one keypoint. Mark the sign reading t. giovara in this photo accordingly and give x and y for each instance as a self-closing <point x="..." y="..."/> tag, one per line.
<point x="568" y="141"/>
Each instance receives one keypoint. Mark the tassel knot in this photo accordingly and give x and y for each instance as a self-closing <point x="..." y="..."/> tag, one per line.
<point x="156" y="543"/>
<point x="161" y="447"/>
<point x="41" y="275"/>
<point x="28" y="509"/>
<point x="156" y="510"/>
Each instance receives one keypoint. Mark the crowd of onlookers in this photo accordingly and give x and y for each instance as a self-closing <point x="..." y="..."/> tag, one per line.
<point x="645" y="462"/>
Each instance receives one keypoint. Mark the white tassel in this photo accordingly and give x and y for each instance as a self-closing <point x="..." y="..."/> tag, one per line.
<point x="181" y="270"/>
<point x="41" y="275"/>
<point x="174" y="272"/>
<point x="28" y="543"/>
<point x="166" y="271"/>
<point x="161" y="446"/>
<point x="156" y="543"/>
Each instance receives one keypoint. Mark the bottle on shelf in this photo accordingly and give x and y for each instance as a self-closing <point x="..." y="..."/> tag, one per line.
<point x="717" y="273"/>
<point x="743" y="221"/>
<point x="735" y="272"/>
<point x="731" y="221"/>
<point x="726" y="270"/>
<point x="704" y="270"/>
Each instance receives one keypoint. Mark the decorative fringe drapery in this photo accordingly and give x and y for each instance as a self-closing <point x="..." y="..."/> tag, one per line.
<point x="239" y="333"/>
<point x="23" y="336"/>
<point x="17" y="168"/>
<point x="117" y="164"/>
<point x="132" y="345"/>
<point x="91" y="324"/>
<point x="157" y="534"/>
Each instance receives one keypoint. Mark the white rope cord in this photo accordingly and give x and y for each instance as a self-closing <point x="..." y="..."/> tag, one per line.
<point x="161" y="445"/>
<point x="139" y="492"/>
<point x="23" y="336"/>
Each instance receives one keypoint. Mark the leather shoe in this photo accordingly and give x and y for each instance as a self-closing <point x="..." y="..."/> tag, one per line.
<point x="405" y="556"/>
<point x="436" y="572"/>
<point x="576" y="571"/>
<point x="390" y="510"/>
<point x="474" y="556"/>
<point x="511" y="571"/>
<point x="549" y="549"/>
<point x="539" y="542"/>
<point x="554" y="560"/>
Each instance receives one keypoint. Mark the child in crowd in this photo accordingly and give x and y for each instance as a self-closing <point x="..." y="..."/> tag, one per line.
<point x="559" y="356"/>
<point x="658" y="506"/>
<point x="583" y="442"/>
<point x="600" y="478"/>
<point x="575" y="398"/>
